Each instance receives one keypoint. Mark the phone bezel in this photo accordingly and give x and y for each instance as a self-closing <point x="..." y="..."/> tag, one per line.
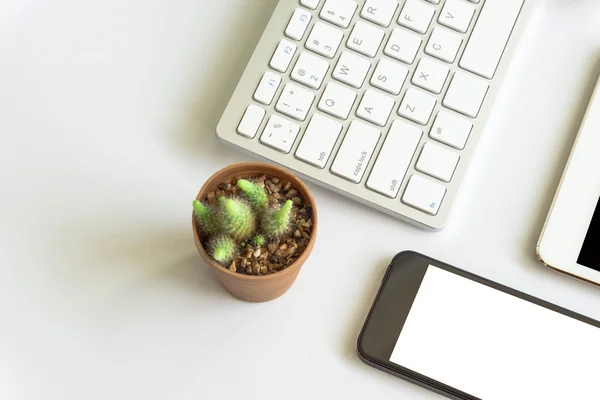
<point x="396" y="294"/>
<point x="575" y="201"/>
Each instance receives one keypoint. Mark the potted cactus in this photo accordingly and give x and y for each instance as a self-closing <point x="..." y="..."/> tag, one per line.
<point x="255" y="225"/>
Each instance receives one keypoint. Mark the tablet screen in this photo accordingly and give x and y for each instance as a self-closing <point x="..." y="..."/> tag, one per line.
<point x="590" y="254"/>
<point x="492" y="345"/>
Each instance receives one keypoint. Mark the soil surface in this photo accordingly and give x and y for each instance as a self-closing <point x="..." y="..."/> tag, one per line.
<point x="276" y="254"/>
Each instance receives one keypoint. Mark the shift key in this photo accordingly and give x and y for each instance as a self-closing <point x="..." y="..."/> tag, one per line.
<point x="490" y="36"/>
<point x="356" y="152"/>
<point x="394" y="159"/>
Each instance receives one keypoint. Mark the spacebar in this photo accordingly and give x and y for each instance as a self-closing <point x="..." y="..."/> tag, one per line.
<point x="490" y="36"/>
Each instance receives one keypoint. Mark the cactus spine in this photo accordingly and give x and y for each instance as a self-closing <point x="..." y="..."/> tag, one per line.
<point x="276" y="222"/>
<point x="206" y="217"/>
<point x="259" y="240"/>
<point x="236" y="218"/>
<point x="222" y="249"/>
<point x="256" y="196"/>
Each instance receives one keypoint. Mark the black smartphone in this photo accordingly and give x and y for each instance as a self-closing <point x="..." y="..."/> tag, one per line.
<point x="466" y="337"/>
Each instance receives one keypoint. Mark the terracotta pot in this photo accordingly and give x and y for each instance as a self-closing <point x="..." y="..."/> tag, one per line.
<point x="248" y="287"/>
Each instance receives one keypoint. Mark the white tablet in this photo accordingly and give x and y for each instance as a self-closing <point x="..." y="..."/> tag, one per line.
<point x="570" y="241"/>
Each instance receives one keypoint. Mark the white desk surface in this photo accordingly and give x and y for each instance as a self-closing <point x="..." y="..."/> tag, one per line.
<point x="107" y="119"/>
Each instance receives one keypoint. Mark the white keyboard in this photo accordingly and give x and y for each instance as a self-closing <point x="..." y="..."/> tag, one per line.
<point x="380" y="100"/>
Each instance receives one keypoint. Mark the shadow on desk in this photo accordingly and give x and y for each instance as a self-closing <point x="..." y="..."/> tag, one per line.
<point x="130" y="261"/>
<point x="362" y="305"/>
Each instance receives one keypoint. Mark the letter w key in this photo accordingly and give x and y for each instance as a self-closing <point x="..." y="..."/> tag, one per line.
<point x="351" y="69"/>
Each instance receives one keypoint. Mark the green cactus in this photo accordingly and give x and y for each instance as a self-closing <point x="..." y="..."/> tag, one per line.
<point x="206" y="217"/>
<point x="222" y="249"/>
<point x="232" y="224"/>
<point x="236" y="219"/>
<point x="259" y="240"/>
<point x="276" y="222"/>
<point x="255" y="194"/>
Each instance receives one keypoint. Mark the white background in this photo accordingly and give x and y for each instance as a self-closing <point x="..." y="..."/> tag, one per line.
<point x="107" y="119"/>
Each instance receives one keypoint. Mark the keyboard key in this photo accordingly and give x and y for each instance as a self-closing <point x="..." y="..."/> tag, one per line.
<point x="380" y="12"/>
<point x="443" y="44"/>
<point x="324" y="40"/>
<point x="295" y="102"/>
<point x="457" y="15"/>
<point x="318" y="141"/>
<point x="437" y="161"/>
<point x="466" y="94"/>
<point x="389" y="76"/>
<point x="298" y="24"/>
<point x="312" y="4"/>
<point x="417" y="106"/>
<point x="451" y="129"/>
<point x="403" y="45"/>
<point x="365" y="39"/>
<point x="310" y="70"/>
<point x="351" y="69"/>
<point x="416" y="15"/>
<point x="434" y="1"/>
<point x="251" y="121"/>
<point x="267" y="88"/>
<point x="375" y="107"/>
<point x="490" y="36"/>
<point x="283" y="56"/>
<point x="339" y="12"/>
<point x="394" y="159"/>
<point x="356" y="151"/>
<point x="430" y="75"/>
<point x="424" y="194"/>
<point x="337" y="100"/>
<point x="280" y="134"/>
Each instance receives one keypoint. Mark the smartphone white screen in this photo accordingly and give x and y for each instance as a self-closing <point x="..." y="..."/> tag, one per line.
<point x="492" y="345"/>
